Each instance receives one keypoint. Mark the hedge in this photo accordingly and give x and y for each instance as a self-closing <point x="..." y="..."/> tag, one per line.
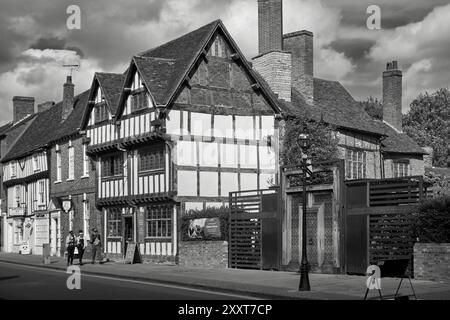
<point x="221" y="213"/>
<point x="432" y="223"/>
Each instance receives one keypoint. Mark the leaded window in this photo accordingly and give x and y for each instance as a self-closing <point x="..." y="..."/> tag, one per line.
<point x="356" y="164"/>
<point x="159" y="222"/>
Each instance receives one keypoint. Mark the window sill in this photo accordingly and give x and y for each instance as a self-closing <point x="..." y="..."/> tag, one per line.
<point x="85" y="177"/>
<point x="70" y="180"/>
<point x="58" y="182"/>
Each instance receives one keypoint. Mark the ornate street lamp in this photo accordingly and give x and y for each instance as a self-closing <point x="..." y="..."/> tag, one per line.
<point x="304" y="268"/>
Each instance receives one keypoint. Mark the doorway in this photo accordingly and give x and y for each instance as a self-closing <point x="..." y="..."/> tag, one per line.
<point x="128" y="232"/>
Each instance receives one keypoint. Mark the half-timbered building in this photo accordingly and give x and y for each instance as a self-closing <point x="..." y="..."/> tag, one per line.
<point x="193" y="123"/>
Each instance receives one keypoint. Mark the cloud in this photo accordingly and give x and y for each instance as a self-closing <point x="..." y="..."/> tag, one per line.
<point x="40" y="74"/>
<point x="423" y="50"/>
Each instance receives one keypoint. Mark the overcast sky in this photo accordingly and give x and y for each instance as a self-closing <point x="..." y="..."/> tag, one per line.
<point x="36" y="42"/>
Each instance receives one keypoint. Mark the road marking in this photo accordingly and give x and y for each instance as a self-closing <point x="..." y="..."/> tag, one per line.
<point x="140" y="282"/>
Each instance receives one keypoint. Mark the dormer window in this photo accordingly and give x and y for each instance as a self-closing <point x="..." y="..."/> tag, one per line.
<point x="101" y="112"/>
<point x="139" y="100"/>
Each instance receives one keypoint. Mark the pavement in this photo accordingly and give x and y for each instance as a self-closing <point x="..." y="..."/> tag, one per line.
<point x="260" y="284"/>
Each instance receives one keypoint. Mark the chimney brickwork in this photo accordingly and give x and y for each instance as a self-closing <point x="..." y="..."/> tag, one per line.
<point x="301" y="46"/>
<point x="270" y="25"/>
<point x="392" y="96"/>
<point x="68" y="98"/>
<point x="22" y="107"/>
<point x="275" y="67"/>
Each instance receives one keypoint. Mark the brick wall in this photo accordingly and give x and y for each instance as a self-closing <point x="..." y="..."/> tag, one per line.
<point x="432" y="261"/>
<point x="208" y="254"/>
<point x="275" y="68"/>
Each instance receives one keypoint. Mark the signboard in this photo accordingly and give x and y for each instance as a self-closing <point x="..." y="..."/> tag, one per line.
<point x="67" y="205"/>
<point x="25" y="248"/>
<point x="16" y="212"/>
<point x="204" y="228"/>
<point x="133" y="255"/>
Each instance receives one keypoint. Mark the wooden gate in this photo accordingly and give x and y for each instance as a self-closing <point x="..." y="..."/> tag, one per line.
<point x="254" y="241"/>
<point x="378" y="221"/>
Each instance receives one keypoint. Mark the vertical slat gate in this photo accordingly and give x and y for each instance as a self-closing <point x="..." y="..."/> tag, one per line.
<point x="246" y="232"/>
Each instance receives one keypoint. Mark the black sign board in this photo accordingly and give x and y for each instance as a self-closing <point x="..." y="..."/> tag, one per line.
<point x="133" y="255"/>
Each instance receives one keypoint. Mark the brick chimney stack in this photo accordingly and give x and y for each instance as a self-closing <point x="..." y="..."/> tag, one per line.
<point x="392" y="96"/>
<point x="301" y="46"/>
<point x="68" y="98"/>
<point x="272" y="63"/>
<point x="270" y="25"/>
<point x="22" y="107"/>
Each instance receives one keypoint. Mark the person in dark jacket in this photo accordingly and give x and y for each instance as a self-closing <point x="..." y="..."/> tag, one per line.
<point x="80" y="246"/>
<point x="96" y="242"/>
<point x="70" y="244"/>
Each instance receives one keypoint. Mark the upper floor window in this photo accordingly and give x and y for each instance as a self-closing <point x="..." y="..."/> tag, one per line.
<point x="356" y="164"/>
<point x="71" y="152"/>
<point x="112" y="166"/>
<point x="139" y="101"/>
<point x="151" y="159"/>
<point x="41" y="192"/>
<point x="58" y="164"/>
<point x="17" y="196"/>
<point x="400" y="169"/>
<point x="101" y="112"/>
<point x="13" y="168"/>
<point x="85" y="162"/>
<point x="35" y="162"/>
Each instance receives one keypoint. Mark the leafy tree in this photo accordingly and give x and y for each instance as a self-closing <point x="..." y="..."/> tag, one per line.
<point x="373" y="107"/>
<point x="322" y="142"/>
<point x="432" y="223"/>
<point x="428" y="123"/>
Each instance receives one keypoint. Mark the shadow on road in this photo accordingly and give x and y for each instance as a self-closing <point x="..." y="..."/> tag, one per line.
<point x="9" y="278"/>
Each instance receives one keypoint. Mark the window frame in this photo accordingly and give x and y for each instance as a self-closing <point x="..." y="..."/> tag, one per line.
<point x="71" y="162"/>
<point x="355" y="160"/>
<point x="137" y="95"/>
<point x="159" y="154"/>
<point x="41" y="194"/>
<point x="86" y="162"/>
<point x="155" y="216"/>
<point x="13" y="168"/>
<point x="112" y="166"/>
<point x="115" y="219"/>
<point x="58" y="166"/>
<point x="405" y="171"/>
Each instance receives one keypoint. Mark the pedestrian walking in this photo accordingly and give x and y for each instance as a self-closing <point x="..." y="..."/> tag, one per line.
<point x="70" y="243"/>
<point x="96" y="242"/>
<point x="80" y="246"/>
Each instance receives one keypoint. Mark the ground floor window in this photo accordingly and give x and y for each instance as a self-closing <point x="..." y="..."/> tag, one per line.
<point x="18" y="232"/>
<point x="400" y="169"/>
<point x="159" y="222"/>
<point x="356" y="164"/>
<point x="115" y="223"/>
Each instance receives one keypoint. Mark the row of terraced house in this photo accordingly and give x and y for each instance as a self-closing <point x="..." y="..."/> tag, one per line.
<point x="187" y="123"/>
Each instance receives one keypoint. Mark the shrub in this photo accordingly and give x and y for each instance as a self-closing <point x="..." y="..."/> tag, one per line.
<point x="432" y="223"/>
<point x="221" y="213"/>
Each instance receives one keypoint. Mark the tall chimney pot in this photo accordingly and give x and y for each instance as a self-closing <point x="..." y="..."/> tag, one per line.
<point x="393" y="96"/>
<point x="68" y="98"/>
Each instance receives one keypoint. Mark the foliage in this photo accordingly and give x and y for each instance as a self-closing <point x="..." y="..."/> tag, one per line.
<point x="373" y="107"/>
<point x="432" y="223"/>
<point x="222" y="213"/>
<point x="439" y="182"/>
<point x="428" y="123"/>
<point x="323" y="143"/>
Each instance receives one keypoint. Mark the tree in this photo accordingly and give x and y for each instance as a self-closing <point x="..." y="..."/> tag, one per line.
<point x="323" y="143"/>
<point x="373" y="107"/>
<point x="428" y="123"/>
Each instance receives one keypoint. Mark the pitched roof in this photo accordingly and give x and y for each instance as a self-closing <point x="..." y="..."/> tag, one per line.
<point x="12" y="125"/>
<point x="112" y="85"/>
<point x="73" y="122"/>
<point x="396" y="142"/>
<point x="47" y="127"/>
<point x="172" y="61"/>
<point x="165" y="67"/>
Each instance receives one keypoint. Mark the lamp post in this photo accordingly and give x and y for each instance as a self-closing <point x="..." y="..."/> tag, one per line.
<point x="304" y="268"/>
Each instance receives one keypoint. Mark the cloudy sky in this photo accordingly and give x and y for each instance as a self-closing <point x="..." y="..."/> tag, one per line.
<point x="36" y="41"/>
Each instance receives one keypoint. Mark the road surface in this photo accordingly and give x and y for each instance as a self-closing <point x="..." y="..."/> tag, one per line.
<point x="19" y="282"/>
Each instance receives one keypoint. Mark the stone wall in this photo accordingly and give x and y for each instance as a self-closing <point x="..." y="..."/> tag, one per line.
<point x="432" y="261"/>
<point x="204" y="254"/>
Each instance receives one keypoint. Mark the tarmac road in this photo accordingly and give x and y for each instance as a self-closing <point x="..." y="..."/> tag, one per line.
<point x="19" y="282"/>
